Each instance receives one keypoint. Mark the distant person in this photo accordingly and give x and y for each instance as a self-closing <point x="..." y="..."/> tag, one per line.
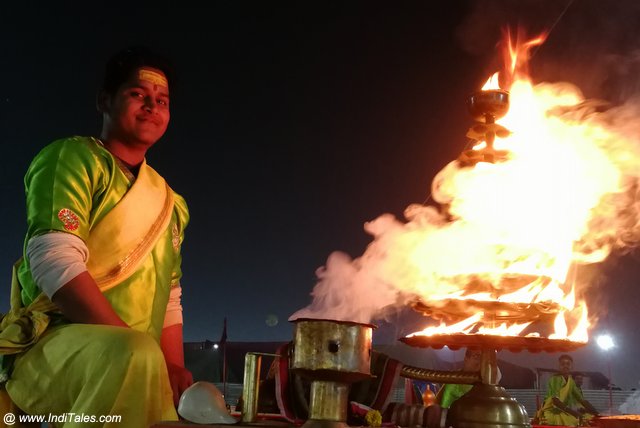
<point x="564" y="403"/>
<point x="95" y="326"/>
<point x="451" y="392"/>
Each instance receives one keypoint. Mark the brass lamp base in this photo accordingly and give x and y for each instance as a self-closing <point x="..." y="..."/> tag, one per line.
<point x="328" y="405"/>
<point x="487" y="406"/>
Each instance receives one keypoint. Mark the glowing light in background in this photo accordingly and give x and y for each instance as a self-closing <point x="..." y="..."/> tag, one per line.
<point x="605" y="342"/>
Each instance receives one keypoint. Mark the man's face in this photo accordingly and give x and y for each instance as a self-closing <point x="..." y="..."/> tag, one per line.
<point x="565" y="365"/>
<point x="472" y="360"/>
<point x="138" y="113"/>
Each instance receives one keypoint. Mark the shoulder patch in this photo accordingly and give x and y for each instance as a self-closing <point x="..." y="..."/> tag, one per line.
<point x="69" y="219"/>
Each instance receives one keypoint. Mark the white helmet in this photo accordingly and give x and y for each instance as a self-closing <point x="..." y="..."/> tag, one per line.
<point x="203" y="403"/>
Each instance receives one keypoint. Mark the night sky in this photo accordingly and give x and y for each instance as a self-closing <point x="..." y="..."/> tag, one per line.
<point x="294" y="123"/>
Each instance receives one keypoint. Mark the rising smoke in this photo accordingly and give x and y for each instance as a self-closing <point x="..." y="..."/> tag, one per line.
<point x="599" y="59"/>
<point x="632" y="405"/>
<point x="591" y="43"/>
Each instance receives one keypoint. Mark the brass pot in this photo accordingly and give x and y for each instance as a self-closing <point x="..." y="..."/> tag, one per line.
<point x="487" y="406"/>
<point x="488" y="106"/>
<point x="338" y="351"/>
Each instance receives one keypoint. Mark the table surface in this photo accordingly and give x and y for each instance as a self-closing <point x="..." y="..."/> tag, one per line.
<point x="273" y="420"/>
<point x="258" y="424"/>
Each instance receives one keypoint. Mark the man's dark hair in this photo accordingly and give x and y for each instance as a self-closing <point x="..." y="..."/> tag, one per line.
<point x="565" y="357"/>
<point x="470" y="351"/>
<point x="120" y="66"/>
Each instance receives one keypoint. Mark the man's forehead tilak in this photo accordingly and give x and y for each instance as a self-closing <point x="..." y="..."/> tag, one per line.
<point x="152" y="77"/>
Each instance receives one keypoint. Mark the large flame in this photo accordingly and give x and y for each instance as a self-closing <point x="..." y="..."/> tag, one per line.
<point x="513" y="231"/>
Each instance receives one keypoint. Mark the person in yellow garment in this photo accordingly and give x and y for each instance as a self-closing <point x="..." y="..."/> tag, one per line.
<point x="564" y="403"/>
<point x="450" y="392"/>
<point x="95" y="327"/>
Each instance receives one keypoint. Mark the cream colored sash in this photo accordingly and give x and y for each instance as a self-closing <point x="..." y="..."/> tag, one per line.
<point x="122" y="239"/>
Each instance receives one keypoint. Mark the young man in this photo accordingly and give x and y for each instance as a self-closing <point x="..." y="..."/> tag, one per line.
<point x="100" y="277"/>
<point x="564" y="403"/>
<point x="451" y="392"/>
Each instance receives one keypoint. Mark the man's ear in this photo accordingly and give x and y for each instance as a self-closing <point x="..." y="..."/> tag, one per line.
<point x="103" y="102"/>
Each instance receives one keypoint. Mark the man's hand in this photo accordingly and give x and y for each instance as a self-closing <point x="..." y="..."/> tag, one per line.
<point x="180" y="379"/>
<point x="172" y="348"/>
<point x="589" y="408"/>
<point x="81" y="301"/>
<point x="560" y="405"/>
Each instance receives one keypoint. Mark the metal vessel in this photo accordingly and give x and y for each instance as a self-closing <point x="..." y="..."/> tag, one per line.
<point x="332" y="355"/>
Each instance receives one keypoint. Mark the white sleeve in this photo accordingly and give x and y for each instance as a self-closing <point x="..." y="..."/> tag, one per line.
<point x="174" y="308"/>
<point x="55" y="258"/>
